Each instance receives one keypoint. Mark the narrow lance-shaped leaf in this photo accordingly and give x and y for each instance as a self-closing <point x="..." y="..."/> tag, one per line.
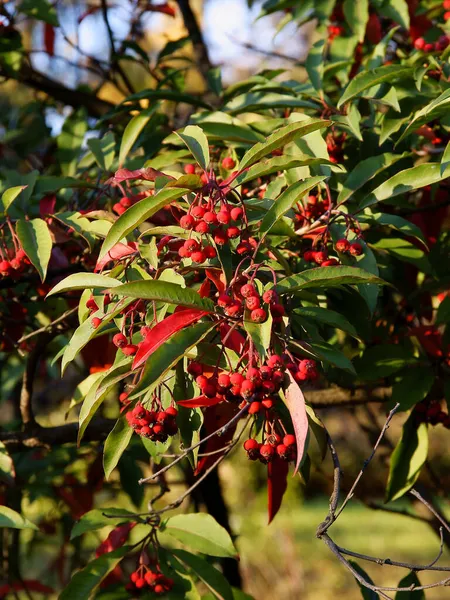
<point x="137" y="214"/>
<point x="202" y="533"/>
<point x="115" y="445"/>
<point x="211" y="577"/>
<point x="10" y="195"/>
<point x="367" y="79"/>
<point x="36" y="241"/>
<point x="357" y="15"/>
<point x="326" y="277"/>
<point x="197" y="142"/>
<point x="165" y="291"/>
<point x="280" y="138"/>
<point x="277" y="472"/>
<point x="366" y="593"/>
<point x="163" y="330"/>
<point x="436" y="108"/>
<point x="132" y="131"/>
<point x="407" y="459"/>
<point x="82" y="281"/>
<point x="295" y="402"/>
<point x="103" y="150"/>
<point x="411" y="581"/>
<point x="286" y="201"/>
<point x="11" y="518"/>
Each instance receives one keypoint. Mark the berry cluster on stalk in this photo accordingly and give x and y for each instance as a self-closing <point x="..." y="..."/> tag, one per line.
<point x="156" y="425"/>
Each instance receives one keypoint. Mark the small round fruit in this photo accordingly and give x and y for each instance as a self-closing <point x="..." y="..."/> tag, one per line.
<point x="187" y="222"/>
<point x="120" y="340"/>
<point x="228" y="163"/>
<point x="258" y="315"/>
<point x="356" y="249"/>
<point x="189" y="169"/>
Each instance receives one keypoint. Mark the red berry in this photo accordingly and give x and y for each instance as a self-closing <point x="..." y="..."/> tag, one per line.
<point x="233" y="309"/>
<point x="118" y="208"/>
<point x="267" y="403"/>
<point x="251" y="444"/>
<point x="5" y="268"/>
<point x="223" y="216"/>
<point x="277" y="310"/>
<point x="198" y="212"/>
<point x="140" y="583"/>
<point x="236" y="213"/>
<point x="267" y="452"/>
<point x="228" y="163"/>
<point x="430" y="47"/>
<point x="91" y="304"/>
<point x="171" y="411"/>
<point x="134" y="576"/>
<point x="268" y="387"/>
<point x="220" y="237"/>
<point x="129" y="350"/>
<point x="15" y="264"/>
<point x="270" y="296"/>
<point x="224" y="380"/>
<point x="120" y="340"/>
<point x="126" y="202"/>
<point x="210" y="390"/>
<point x="233" y="232"/>
<point x="210" y="251"/>
<point x="202" y="227"/>
<point x="332" y="262"/>
<point x="252" y="302"/>
<point x="253" y="374"/>
<point x="247" y="388"/>
<point x="210" y="217"/>
<point x="248" y="290"/>
<point x="419" y="44"/>
<point x="265" y="372"/>
<point x="123" y="397"/>
<point x="96" y="321"/>
<point x="198" y="257"/>
<point x="275" y="362"/>
<point x="243" y="248"/>
<point x="289" y="440"/>
<point x="183" y="253"/>
<point x="191" y="245"/>
<point x="189" y="169"/>
<point x="356" y="249"/>
<point x="320" y="257"/>
<point x="282" y="451"/>
<point x="308" y="256"/>
<point x="254" y="409"/>
<point x="187" y="222"/>
<point x="237" y="379"/>
<point x="258" y="315"/>
<point x="342" y="245"/>
<point x="201" y="381"/>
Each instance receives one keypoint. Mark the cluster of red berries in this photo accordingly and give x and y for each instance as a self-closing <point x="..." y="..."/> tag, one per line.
<point x="439" y="46"/>
<point x="121" y="341"/>
<point x="274" y="445"/>
<point x="228" y="163"/>
<point x="321" y="258"/>
<point x="146" y="579"/>
<point x="157" y="425"/>
<point x="345" y="247"/>
<point x="256" y="386"/>
<point x="203" y="219"/>
<point x="335" y="144"/>
<point x="248" y="298"/>
<point x="314" y="208"/>
<point x="432" y="413"/>
<point x="126" y="201"/>
<point x="334" y="31"/>
<point x="16" y="264"/>
<point x="196" y="252"/>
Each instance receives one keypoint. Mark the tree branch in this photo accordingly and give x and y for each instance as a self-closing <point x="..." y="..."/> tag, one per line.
<point x="200" y="49"/>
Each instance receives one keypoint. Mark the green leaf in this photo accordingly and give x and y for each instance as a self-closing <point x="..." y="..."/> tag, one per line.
<point x="405" y="181"/>
<point x="202" y="533"/>
<point x="407" y="459"/>
<point x="285" y="202"/>
<point x="329" y="317"/>
<point x="133" y="130"/>
<point x="11" y="518"/>
<point x="314" y="64"/>
<point x="167" y="355"/>
<point x="395" y="10"/>
<point x="396" y="222"/>
<point x="357" y="14"/>
<point x="407" y="582"/>
<point x="382" y="360"/>
<point x="137" y="214"/>
<point x="84" y="583"/>
<point x="197" y="142"/>
<point x="278" y="163"/>
<point x="70" y="141"/>
<point x="35" y="239"/>
<point x="104" y="150"/>
<point x="7" y="471"/>
<point x="412" y="388"/>
<point x="367" y="79"/>
<point x="260" y="333"/>
<point x="280" y="138"/>
<point x="435" y="109"/>
<point x="443" y="313"/>
<point x="10" y="195"/>
<point x="41" y="10"/>
<point x="79" y="224"/>
<point x="324" y="277"/>
<point x="82" y="281"/>
<point x="327" y="353"/>
<point x="211" y="577"/>
<point x="165" y="292"/>
<point x="365" y="592"/>
<point x="365" y="171"/>
<point x="96" y="519"/>
<point x="115" y="445"/>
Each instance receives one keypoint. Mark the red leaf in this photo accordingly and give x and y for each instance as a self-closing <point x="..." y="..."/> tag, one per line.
<point x="234" y="340"/>
<point x="205" y="289"/>
<point x="165" y="8"/>
<point x="49" y="39"/>
<point x="116" y="253"/>
<point x="147" y="174"/>
<point x="161" y="332"/>
<point x="215" y="418"/>
<point x="47" y="205"/>
<point x="216" y="276"/>
<point x="429" y="338"/>
<point x="295" y="402"/>
<point x="277" y="472"/>
<point x="117" y="538"/>
<point x="199" y="402"/>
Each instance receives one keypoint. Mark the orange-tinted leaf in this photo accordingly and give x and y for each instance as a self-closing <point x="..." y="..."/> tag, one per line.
<point x="277" y="472"/>
<point x="217" y="277"/>
<point x="199" y="402"/>
<point x="49" y="39"/>
<point x="116" y="253"/>
<point x="116" y="538"/>
<point x="295" y="402"/>
<point x="164" y="330"/>
<point x="234" y="340"/>
<point x="147" y="174"/>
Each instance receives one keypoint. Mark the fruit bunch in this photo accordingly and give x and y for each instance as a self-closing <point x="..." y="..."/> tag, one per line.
<point x="273" y="445"/>
<point x="126" y="201"/>
<point x="246" y="297"/>
<point x="156" y="425"/>
<point x="432" y="413"/>
<point x="12" y="261"/>
<point x="146" y="579"/>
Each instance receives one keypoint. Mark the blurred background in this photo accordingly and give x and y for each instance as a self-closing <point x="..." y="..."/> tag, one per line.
<point x="283" y="560"/>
